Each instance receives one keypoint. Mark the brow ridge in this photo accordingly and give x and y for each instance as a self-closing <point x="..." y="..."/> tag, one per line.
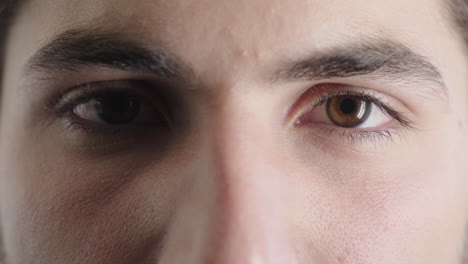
<point x="83" y="47"/>
<point x="373" y="58"/>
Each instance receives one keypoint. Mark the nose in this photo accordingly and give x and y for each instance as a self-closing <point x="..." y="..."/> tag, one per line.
<point x="236" y="210"/>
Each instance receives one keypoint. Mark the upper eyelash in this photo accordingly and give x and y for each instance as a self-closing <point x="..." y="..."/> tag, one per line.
<point x="370" y="97"/>
<point x="63" y="102"/>
<point x="362" y="135"/>
<point x="63" y="107"/>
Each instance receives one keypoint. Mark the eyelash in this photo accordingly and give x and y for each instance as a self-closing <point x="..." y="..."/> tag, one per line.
<point x="64" y="107"/>
<point x="354" y="136"/>
<point x="64" y="104"/>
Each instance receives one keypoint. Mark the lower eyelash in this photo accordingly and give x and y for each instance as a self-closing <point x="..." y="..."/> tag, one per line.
<point x="370" y="97"/>
<point x="75" y="126"/>
<point x="362" y="137"/>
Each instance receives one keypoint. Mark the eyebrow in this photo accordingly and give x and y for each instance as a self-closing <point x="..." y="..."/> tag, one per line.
<point x="372" y="58"/>
<point x="83" y="47"/>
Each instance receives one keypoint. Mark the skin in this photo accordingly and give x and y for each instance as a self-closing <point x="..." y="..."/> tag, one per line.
<point x="236" y="181"/>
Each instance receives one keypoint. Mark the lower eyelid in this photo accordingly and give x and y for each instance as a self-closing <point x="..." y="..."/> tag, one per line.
<point x="359" y="138"/>
<point x="332" y="139"/>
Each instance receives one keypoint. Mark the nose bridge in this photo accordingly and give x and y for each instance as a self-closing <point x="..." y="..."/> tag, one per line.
<point x="243" y="219"/>
<point x="248" y="177"/>
<point x="240" y="144"/>
<point x="245" y="169"/>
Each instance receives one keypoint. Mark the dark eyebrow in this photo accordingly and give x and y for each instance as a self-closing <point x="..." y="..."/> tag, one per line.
<point x="373" y="58"/>
<point x="85" y="47"/>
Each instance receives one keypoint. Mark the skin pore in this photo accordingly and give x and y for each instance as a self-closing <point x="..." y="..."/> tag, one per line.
<point x="232" y="158"/>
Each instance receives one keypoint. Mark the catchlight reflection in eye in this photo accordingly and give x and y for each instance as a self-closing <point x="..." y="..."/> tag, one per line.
<point x="347" y="111"/>
<point x="116" y="108"/>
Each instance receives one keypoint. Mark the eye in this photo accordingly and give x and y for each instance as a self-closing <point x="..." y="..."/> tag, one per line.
<point x="111" y="116"/>
<point x="116" y="108"/>
<point x="348" y="111"/>
<point x="110" y="105"/>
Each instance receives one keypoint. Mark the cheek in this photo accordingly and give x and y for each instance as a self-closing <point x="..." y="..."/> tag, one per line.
<point x="68" y="207"/>
<point x="401" y="207"/>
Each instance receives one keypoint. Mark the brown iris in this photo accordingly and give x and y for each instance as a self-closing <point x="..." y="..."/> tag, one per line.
<point x="347" y="110"/>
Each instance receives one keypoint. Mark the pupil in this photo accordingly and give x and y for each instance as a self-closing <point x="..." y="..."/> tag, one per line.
<point x="348" y="106"/>
<point x="118" y="108"/>
<point x="348" y="111"/>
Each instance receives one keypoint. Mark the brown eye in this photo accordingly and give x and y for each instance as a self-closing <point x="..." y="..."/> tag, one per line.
<point x="118" y="108"/>
<point x="347" y="110"/>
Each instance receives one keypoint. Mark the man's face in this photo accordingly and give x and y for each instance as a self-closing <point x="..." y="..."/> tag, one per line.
<point x="217" y="131"/>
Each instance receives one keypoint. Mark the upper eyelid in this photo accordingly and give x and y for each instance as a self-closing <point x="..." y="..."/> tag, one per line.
<point x="119" y="84"/>
<point x="64" y="102"/>
<point x="328" y="90"/>
<point x="325" y="90"/>
<point x="363" y="95"/>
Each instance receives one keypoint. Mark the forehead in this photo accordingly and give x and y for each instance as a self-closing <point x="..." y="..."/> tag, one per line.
<point x="244" y="34"/>
<point x="250" y="25"/>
